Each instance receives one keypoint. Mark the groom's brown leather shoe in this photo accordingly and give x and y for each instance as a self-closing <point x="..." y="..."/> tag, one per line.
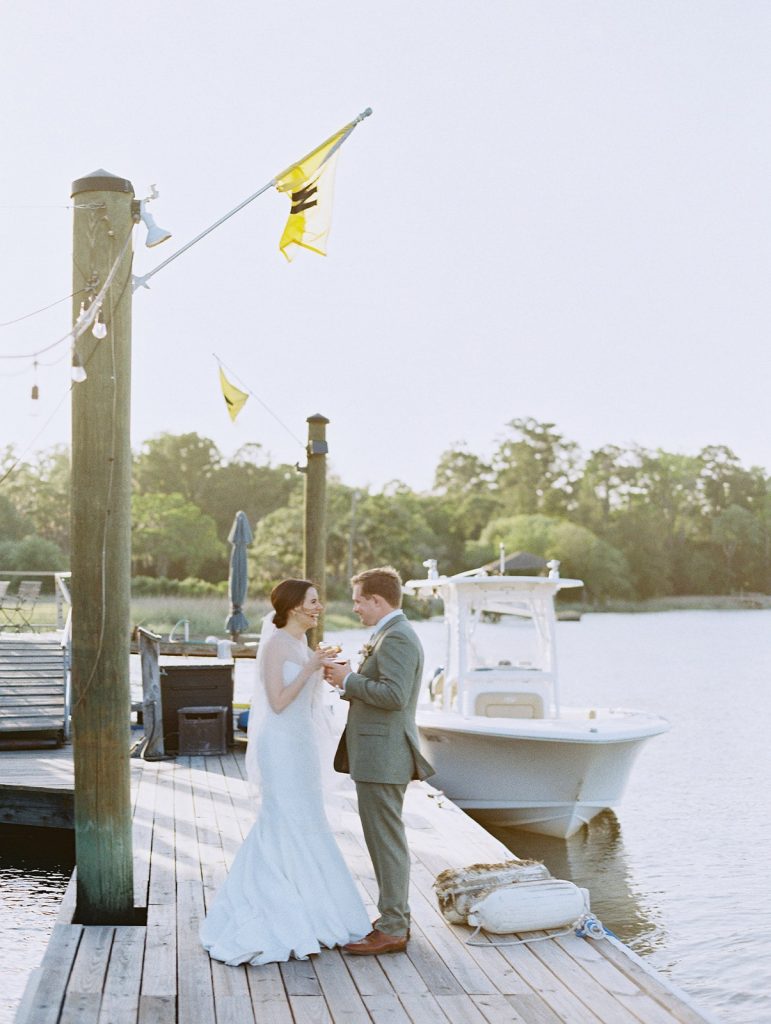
<point x="377" y="942"/>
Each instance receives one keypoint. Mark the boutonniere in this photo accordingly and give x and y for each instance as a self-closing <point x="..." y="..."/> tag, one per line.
<point x="366" y="650"/>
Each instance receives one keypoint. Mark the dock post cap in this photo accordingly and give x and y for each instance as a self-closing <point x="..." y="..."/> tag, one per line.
<point x="101" y="181"/>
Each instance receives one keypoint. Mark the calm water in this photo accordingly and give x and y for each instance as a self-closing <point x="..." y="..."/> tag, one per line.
<point x="35" y="867"/>
<point x="679" y="871"/>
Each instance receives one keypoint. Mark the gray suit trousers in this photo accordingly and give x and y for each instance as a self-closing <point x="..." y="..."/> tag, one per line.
<point x="380" y="810"/>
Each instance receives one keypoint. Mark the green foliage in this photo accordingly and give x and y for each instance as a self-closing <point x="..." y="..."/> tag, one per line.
<point x="169" y="531"/>
<point x="192" y="466"/>
<point x="277" y="550"/>
<point x="11" y="523"/>
<point x="32" y="553"/>
<point x="535" y="468"/>
<point x="176" y="464"/>
<point x="631" y="522"/>
<point x="581" y="553"/>
<point x="741" y="540"/>
<point x="39" y="491"/>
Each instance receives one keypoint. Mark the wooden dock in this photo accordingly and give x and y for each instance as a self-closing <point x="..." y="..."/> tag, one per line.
<point x="33" y="691"/>
<point x="190" y="816"/>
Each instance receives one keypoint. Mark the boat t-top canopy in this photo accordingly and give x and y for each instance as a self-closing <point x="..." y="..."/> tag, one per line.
<point x="482" y="653"/>
<point x="480" y="579"/>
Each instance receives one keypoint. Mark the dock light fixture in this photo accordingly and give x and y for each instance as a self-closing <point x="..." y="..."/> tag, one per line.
<point x="155" y="235"/>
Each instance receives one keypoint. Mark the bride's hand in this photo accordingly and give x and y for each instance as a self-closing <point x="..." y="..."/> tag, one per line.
<point x="320" y="658"/>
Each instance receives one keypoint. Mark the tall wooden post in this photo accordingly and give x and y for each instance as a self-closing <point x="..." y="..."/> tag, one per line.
<point x="101" y="556"/>
<point x="315" y="536"/>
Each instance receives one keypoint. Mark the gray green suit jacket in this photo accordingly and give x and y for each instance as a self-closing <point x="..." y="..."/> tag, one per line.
<point x="380" y="741"/>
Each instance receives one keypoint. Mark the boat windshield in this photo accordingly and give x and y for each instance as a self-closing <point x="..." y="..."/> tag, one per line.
<point x="514" y="638"/>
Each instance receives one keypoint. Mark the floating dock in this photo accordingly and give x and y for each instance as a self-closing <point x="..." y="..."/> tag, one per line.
<point x="191" y="815"/>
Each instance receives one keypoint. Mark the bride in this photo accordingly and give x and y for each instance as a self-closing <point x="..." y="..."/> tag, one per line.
<point x="289" y="891"/>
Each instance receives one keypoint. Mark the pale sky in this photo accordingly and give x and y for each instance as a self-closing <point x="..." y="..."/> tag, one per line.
<point x="558" y="209"/>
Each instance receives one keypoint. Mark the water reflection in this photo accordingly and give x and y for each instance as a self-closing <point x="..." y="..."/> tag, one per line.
<point x="595" y="859"/>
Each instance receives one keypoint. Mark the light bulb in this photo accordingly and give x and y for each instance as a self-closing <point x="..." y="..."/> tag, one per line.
<point x="78" y="372"/>
<point x="99" y="330"/>
<point x="35" y="393"/>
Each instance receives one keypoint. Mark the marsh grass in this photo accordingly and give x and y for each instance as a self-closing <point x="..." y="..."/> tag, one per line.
<point x="206" y="615"/>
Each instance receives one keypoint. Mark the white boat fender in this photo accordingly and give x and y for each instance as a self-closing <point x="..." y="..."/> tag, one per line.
<point x="534" y="906"/>
<point x="458" y="889"/>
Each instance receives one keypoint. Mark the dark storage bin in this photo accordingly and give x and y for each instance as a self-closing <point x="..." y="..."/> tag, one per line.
<point x="202" y="730"/>
<point x="194" y="686"/>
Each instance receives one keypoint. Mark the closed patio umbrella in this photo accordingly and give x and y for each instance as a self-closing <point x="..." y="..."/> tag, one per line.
<point x="240" y="537"/>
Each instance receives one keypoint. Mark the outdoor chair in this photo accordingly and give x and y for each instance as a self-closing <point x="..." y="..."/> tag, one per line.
<point x="17" y="608"/>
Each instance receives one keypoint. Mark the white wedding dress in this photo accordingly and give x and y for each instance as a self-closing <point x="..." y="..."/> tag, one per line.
<point x="289" y="891"/>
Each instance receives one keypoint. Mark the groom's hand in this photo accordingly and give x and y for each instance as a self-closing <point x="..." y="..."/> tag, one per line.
<point x="336" y="672"/>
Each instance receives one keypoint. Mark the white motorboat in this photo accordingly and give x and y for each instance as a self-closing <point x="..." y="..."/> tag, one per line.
<point x="491" y="722"/>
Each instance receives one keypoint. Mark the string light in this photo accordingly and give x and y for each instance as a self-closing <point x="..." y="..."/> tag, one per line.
<point x="18" y="319"/>
<point x="78" y="372"/>
<point x="99" y="330"/>
<point x="35" y="390"/>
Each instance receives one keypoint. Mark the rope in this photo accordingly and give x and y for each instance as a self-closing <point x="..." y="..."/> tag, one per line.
<point x="265" y="406"/>
<point x="585" y="927"/>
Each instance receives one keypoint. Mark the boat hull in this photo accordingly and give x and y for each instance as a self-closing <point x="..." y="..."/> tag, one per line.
<point x="550" y="783"/>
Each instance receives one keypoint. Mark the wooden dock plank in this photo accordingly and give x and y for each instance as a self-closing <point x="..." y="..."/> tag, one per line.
<point x="195" y="991"/>
<point x="310" y="1010"/>
<point x="83" y="1000"/>
<point x="44" y="1006"/>
<point x="142" y="834"/>
<point x="497" y="1009"/>
<point x="572" y="973"/>
<point x="648" y="982"/>
<point x="163" y="879"/>
<point x="385" y="1008"/>
<point x="630" y="995"/>
<point x="533" y="1009"/>
<point x="342" y="997"/>
<point x="268" y="995"/>
<point x="422" y="1008"/>
<point x="157" y="1009"/>
<point x="232" y="997"/>
<point x="120" y="999"/>
<point x="159" y="974"/>
<point x="565" y="1003"/>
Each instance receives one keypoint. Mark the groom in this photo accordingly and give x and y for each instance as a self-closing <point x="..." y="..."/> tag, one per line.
<point x="379" y="747"/>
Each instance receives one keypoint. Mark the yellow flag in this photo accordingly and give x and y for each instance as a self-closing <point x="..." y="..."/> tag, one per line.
<point x="234" y="398"/>
<point x="310" y="183"/>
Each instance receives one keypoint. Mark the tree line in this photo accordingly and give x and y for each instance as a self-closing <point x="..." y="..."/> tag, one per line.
<point x="631" y="522"/>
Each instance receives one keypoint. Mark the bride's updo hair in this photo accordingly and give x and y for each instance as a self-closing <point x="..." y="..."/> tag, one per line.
<point x="285" y="596"/>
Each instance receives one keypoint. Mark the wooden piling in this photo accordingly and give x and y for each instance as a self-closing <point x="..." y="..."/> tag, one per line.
<point x="315" y="534"/>
<point x="101" y="554"/>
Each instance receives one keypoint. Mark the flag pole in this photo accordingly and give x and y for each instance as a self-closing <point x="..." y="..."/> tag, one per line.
<point x="140" y="281"/>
